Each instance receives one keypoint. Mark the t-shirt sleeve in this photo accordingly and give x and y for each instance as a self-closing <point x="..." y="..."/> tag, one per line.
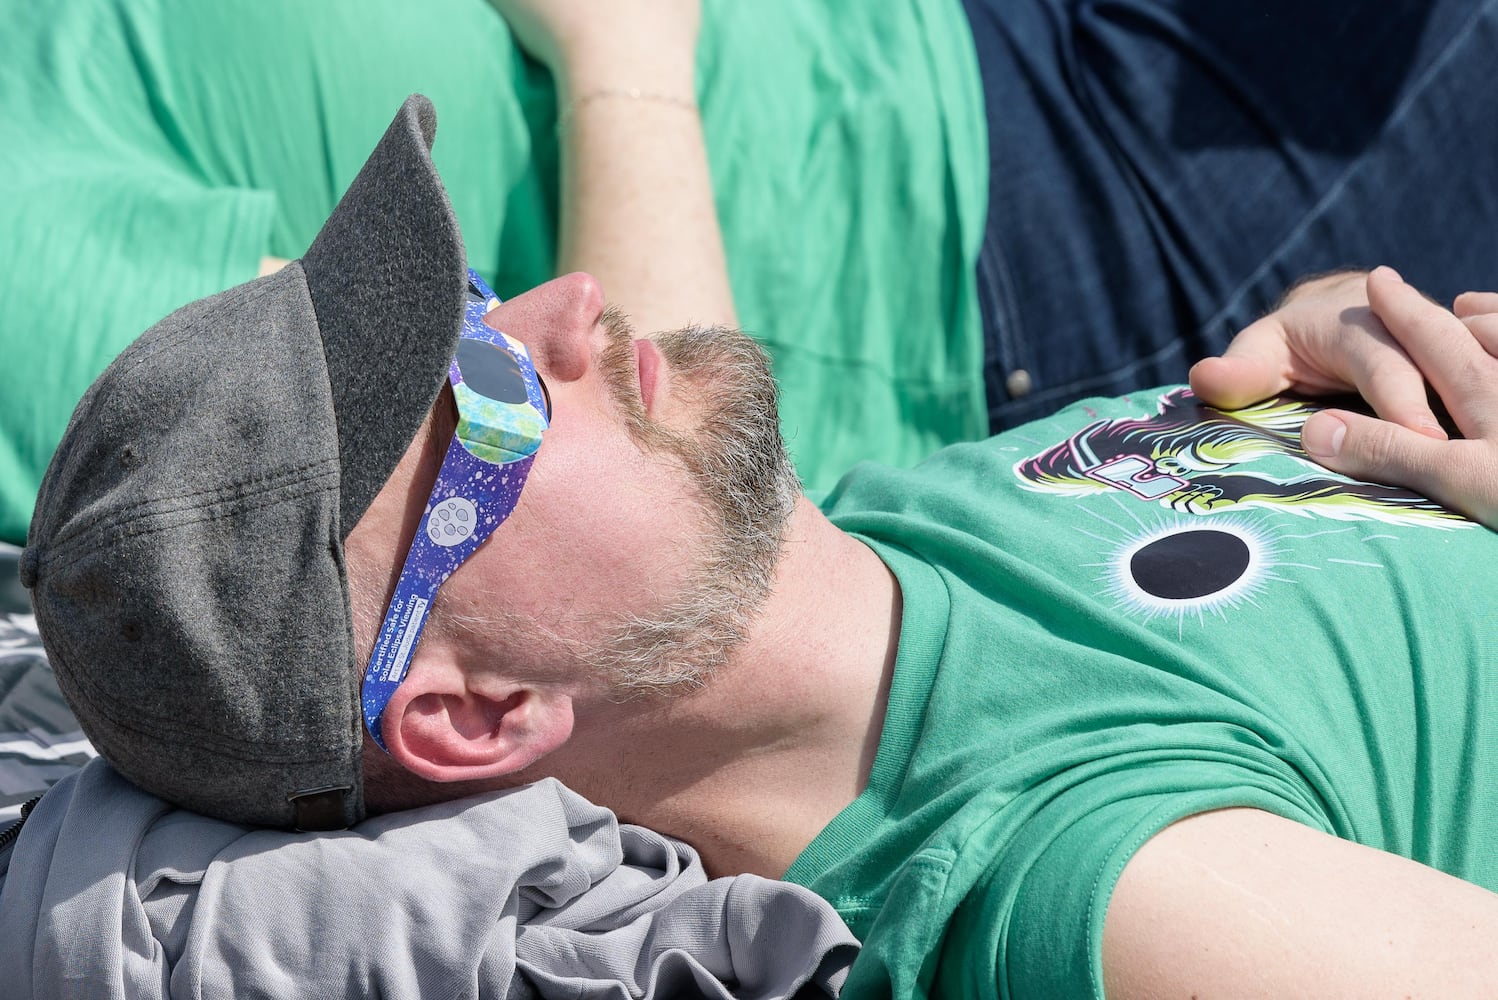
<point x="1038" y="915"/>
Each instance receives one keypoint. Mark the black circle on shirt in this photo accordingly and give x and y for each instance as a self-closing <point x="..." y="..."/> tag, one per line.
<point x="1190" y="564"/>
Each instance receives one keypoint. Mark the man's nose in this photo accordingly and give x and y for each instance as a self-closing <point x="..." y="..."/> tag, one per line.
<point x="556" y="322"/>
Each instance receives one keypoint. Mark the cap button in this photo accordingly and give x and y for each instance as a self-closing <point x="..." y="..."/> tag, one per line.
<point x="30" y="561"/>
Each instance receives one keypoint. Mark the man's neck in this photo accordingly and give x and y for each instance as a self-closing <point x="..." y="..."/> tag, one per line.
<point x="752" y="767"/>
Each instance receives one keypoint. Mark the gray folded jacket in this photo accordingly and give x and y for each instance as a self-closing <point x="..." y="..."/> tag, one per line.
<point x="112" y="893"/>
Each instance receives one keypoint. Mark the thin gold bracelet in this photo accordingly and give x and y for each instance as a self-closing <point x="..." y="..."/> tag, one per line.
<point x="623" y="93"/>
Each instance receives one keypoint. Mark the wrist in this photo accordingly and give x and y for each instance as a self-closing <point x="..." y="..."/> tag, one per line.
<point x="623" y="95"/>
<point x="583" y="70"/>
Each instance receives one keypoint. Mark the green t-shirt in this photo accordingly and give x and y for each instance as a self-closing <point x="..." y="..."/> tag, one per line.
<point x="1135" y="611"/>
<point x="152" y="152"/>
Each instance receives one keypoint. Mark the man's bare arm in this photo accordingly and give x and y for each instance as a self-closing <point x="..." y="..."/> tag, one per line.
<point x="1241" y="903"/>
<point x="637" y="200"/>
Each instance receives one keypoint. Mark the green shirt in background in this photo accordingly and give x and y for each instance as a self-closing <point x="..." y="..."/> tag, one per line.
<point x="152" y="152"/>
<point x="1135" y="611"/>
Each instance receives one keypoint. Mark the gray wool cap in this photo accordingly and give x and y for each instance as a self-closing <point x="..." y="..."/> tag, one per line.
<point x="186" y="556"/>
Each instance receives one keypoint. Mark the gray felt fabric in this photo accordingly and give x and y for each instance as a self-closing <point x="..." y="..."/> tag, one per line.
<point x="186" y="556"/>
<point x="111" y="893"/>
<point x="388" y="279"/>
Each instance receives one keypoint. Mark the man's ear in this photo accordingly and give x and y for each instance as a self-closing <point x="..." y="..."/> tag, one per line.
<point x="446" y="726"/>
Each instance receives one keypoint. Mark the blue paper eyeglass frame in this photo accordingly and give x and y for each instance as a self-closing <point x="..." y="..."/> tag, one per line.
<point x="503" y="410"/>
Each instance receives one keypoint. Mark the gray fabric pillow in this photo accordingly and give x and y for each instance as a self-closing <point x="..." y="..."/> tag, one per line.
<point x="40" y="741"/>
<point x="13" y="596"/>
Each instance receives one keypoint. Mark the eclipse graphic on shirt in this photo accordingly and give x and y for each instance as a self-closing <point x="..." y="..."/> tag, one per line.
<point x="1199" y="460"/>
<point x="1181" y="568"/>
<point x="1189" y="565"/>
<point x="1204" y="503"/>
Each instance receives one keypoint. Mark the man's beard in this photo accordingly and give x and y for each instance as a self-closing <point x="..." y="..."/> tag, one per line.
<point x="736" y="464"/>
<point x="735" y="461"/>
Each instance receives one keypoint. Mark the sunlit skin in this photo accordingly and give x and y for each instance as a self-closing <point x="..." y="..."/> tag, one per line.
<point x="600" y="524"/>
<point x="750" y="767"/>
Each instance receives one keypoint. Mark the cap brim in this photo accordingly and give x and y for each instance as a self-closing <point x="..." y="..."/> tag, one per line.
<point x="387" y="280"/>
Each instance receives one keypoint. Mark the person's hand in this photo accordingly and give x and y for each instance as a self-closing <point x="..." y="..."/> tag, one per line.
<point x="1458" y="352"/>
<point x="616" y="40"/>
<point x="1325" y="338"/>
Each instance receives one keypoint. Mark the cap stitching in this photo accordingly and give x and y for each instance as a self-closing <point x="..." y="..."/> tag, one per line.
<point x="58" y="560"/>
<point x="140" y="352"/>
<point x="190" y="735"/>
<point x="215" y="495"/>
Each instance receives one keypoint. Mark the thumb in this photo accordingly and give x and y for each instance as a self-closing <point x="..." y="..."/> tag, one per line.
<point x="1255" y="366"/>
<point x="1377" y="451"/>
<point x="1230" y="381"/>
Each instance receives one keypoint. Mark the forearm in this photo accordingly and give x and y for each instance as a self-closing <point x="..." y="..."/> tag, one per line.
<point x="637" y="199"/>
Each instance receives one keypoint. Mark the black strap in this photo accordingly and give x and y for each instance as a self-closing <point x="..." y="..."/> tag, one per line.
<point x="320" y="808"/>
<point x="9" y="834"/>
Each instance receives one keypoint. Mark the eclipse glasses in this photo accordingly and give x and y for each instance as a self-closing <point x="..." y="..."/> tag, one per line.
<point x="503" y="409"/>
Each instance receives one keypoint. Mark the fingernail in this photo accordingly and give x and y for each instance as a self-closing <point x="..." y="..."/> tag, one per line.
<point x="1396" y="275"/>
<point x="1431" y="429"/>
<point x="1322" y="436"/>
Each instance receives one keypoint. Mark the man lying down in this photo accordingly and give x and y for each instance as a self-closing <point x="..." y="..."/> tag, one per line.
<point x="1136" y="699"/>
<point x="195" y="590"/>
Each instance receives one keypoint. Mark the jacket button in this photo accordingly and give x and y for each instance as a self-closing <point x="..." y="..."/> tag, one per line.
<point x="1019" y="383"/>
